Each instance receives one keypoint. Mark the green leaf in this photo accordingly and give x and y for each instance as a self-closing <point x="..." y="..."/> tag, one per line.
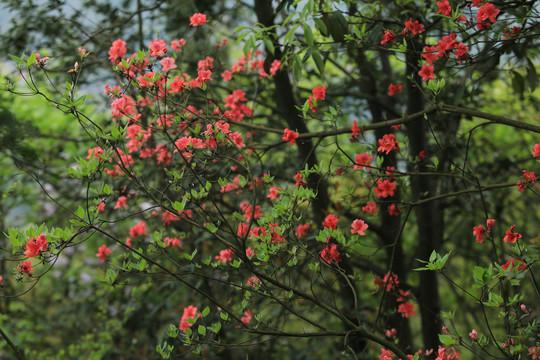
<point x="206" y="311"/>
<point x="202" y="330"/>
<point x="318" y="61"/>
<point x="31" y="59"/>
<point x="308" y="35"/>
<point x="18" y="60"/>
<point x="447" y="340"/>
<point x="269" y="45"/>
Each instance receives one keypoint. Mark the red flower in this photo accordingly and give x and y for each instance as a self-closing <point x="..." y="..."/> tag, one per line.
<point x="197" y="19"/>
<point x="358" y="226"/>
<point x="363" y="160"/>
<point x="299" y="180"/>
<point x="34" y="246"/>
<point x="139" y="229"/>
<point x="388" y="36"/>
<point x="479" y="231"/>
<point x="290" y="136"/>
<point x="511" y="236"/>
<point x="490" y="223"/>
<point x="103" y="252"/>
<point x="407" y="309"/>
<point x="487" y="12"/>
<point x="426" y="72"/>
<point x="356" y="132"/>
<point x="388" y="143"/>
<point x="415" y="27"/>
<point x="385" y="188"/>
<point x="25" y="267"/>
<point x="330" y="221"/>
<point x="444" y="8"/>
<point x="509" y="266"/>
<point x="319" y="92"/>
<point x="392" y="89"/>
<point x="394" y="210"/>
<point x="330" y="253"/>
<point x="430" y="54"/>
<point x="370" y="208"/>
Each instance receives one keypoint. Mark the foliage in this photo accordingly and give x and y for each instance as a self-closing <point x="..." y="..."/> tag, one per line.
<point x="334" y="178"/>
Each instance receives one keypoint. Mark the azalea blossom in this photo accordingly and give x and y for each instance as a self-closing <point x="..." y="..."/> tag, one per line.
<point x="103" y="252"/>
<point x="392" y="89"/>
<point x="511" y="236"/>
<point x="479" y="231"/>
<point x="358" y="226"/>
<point x="190" y="312"/>
<point x="25" y="267"/>
<point x="197" y="19"/>
<point x="330" y="221"/>
<point x="290" y="136"/>
<point x="426" y="72"/>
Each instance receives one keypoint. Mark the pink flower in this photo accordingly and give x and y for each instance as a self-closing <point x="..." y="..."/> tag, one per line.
<point x="535" y="352"/>
<point x="158" y="48"/>
<point x="253" y="281"/>
<point x="301" y="230"/>
<point x="358" y="227"/>
<point x="172" y="242"/>
<point x="290" y="136"/>
<point x="392" y="89"/>
<point x="426" y="72"/>
<point x="139" y="229"/>
<point x="385" y="355"/>
<point x="117" y="50"/>
<point x="490" y="223"/>
<point x="330" y="221"/>
<point x="536" y="150"/>
<point x="224" y="255"/>
<point x="197" y="19"/>
<point x="121" y="202"/>
<point x="167" y="64"/>
<point x="511" y="236"/>
<point x="103" y="252"/>
<point x="273" y="193"/>
<point x="473" y="335"/>
<point x="190" y="312"/>
<point x="275" y="67"/>
<point x="101" y="207"/>
<point x="25" y="267"/>
<point x="247" y="317"/>
<point x="479" y="231"/>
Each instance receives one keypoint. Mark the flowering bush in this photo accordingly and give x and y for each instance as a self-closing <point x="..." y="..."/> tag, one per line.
<point x="192" y="195"/>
